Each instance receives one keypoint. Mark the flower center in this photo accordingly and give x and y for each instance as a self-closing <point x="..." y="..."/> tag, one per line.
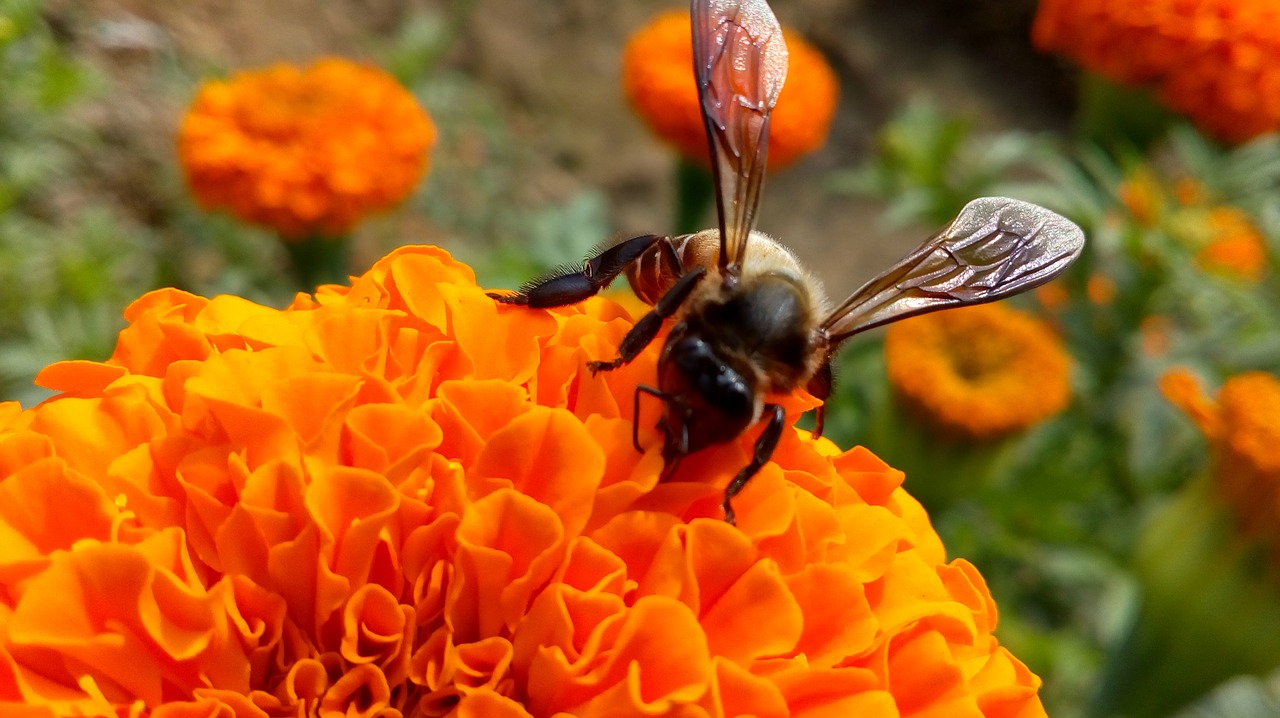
<point x="978" y="359"/>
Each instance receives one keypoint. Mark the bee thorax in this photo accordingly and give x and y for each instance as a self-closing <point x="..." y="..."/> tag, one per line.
<point x="768" y="324"/>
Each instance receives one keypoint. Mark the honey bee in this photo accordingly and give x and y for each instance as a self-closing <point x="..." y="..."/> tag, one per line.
<point x="749" y="320"/>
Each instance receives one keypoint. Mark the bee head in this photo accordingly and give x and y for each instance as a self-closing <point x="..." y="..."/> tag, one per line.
<point x="709" y="401"/>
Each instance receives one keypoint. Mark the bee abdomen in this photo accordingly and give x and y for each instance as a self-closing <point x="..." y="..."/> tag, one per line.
<point x="651" y="275"/>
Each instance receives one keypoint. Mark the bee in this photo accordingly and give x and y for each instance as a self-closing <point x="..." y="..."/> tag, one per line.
<point x="749" y="320"/>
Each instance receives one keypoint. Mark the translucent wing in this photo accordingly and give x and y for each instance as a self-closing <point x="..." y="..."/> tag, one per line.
<point x="995" y="248"/>
<point x="740" y="63"/>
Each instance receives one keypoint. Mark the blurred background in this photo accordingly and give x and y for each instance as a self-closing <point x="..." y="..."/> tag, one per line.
<point x="1116" y="477"/>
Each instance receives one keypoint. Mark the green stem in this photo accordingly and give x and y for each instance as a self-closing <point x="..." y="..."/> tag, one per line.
<point x="1119" y="118"/>
<point x="318" y="259"/>
<point x="694" y="195"/>
<point x="1210" y="610"/>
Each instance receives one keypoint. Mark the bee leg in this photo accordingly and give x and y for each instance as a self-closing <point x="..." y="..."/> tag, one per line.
<point x="567" y="286"/>
<point x="765" y="445"/>
<point x="819" y="387"/>
<point x="642" y="334"/>
<point x="635" y="415"/>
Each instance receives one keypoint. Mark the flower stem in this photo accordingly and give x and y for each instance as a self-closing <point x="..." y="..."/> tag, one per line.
<point x="1119" y="118"/>
<point x="1209" y="610"/>
<point x="319" y="259"/>
<point x="694" y="194"/>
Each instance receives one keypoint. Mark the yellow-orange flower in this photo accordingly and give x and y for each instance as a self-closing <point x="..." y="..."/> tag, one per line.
<point x="1155" y="335"/>
<point x="978" y="372"/>
<point x="400" y="498"/>
<point x="1235" y="247"/>
<point x="1218" y="61"/>
<point x="1243" y="428"/>
<point x="1100" y="288"/>
<point x="305" y="151"/>
<point x="1053" y="296"/>
<point x="657" y="76"/>
<point x="1141" y="193"/>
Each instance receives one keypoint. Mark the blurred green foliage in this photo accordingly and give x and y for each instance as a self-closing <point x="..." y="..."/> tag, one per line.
<point x="68" y="260"/>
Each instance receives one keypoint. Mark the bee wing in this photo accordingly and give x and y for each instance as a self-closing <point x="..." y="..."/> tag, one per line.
<point x="995" y="248"/>
<point x="740" y="63"/>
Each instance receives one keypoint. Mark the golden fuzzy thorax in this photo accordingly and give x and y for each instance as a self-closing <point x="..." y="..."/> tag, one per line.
<point x="765" y="327"/>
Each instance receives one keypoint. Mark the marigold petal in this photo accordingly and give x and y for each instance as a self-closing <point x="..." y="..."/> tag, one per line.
<point x="79" y="378"/>
<point x="838" y="621"/>
<point x="101" y="610"/>
<point x="46" y="507"/>
<point x="934" y="687"/>
<point x="835" y="692"/>
<point x="1006" y="688"/>
<point x="738" y="693"/>
<point x="508" y="545"/>
<point x="658" y="660"/>
<point x="490" y="705"/>
<point x="353" y="509"/>
<point x="388" y="438"/>
<point x="1181" y="388"/>
<point x="547" y="455"/>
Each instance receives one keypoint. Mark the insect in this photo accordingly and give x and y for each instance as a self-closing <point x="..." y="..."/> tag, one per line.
<point x="749" y="320"/>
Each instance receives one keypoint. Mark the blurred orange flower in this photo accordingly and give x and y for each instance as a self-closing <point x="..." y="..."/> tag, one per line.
<point x="1235" y="247"/>
<point x="1218" y="61"/>
<point x="978" y="372"/>
<point x="1141" y="193"/>
<point x="657" y="76"/>
<point x="400" y="498"/>
<point x="1243" y="428"/>
<point x="1053" y="296"/>
<point x="305" y="151"/>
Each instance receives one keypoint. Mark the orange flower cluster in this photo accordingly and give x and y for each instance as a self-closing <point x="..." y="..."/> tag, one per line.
<point x="400" y="498"/>
<point x="305" y="151"/>
<point x="1225" y="239"/>
<point x="978" y="372"/>
<point x="1218" y="61"/>
<point x="657" y="76"/>
<point x="1142" y="194"/>
<point x="1243" y="428"/>
<point x="1235" y="248"/>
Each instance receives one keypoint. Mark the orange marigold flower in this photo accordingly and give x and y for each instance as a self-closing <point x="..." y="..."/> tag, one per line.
<point x="1188" y="191"/>
<point x="1155" y="334"/>
<point x="657" y="76"/>
<point x="978" y="372"/>
<point x="305" y="151"/>
<point x="1142" y="195"/>
<point x="1100" y="289"/>
<point x="1235" y="247"/>
<point x="1218" y="61"/>
<point x="1053" y="296"/>
<point x="400" y="498"/>
<point x="1243" y="429"/>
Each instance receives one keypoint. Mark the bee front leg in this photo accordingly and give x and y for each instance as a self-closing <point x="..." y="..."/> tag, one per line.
<point x="642" y="334"/>
<point x="765" y="445"/>
<point x="566" y="285"/>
